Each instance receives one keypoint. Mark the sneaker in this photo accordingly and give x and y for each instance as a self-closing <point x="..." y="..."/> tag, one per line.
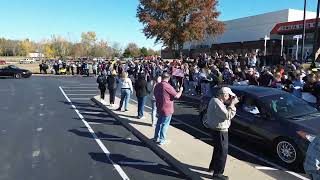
<point x="118" y="109"/>
<point x="155" y="140"/>
<point x="220" y="177"/>
<point x="142" y="117"/>
<point x="111" y="105"/>
<point x="126" y="110"/>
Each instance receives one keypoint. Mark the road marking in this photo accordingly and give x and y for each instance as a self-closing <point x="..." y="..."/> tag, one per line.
<point x="102" y="146"/>
<point x="265" y="168"/>
<point x="94" y="123"/>
<point x="41" y="104"/>
<point x="241" y="150"/>
<point x="138" y="163"/>
<point x="39" y="129"/>
<point x="36" y="153"/>
<point x="81" y="94"/>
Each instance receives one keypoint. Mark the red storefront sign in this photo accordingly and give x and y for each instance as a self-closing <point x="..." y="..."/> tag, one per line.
<point x="293" y="27"/>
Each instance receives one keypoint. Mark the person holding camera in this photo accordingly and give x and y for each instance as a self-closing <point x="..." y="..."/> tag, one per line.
<point x="220" y="111"/>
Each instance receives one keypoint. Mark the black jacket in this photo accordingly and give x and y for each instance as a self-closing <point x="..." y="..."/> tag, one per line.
<point x="112" y="82"/>
<point x="102" y="81"/>
<point x="141" y="88"/>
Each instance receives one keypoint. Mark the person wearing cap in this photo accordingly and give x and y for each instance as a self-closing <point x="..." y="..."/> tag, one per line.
<point x="164" y="94"/>
<point x="219" y="120"/>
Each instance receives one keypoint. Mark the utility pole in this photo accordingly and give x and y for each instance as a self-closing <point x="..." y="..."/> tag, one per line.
<point x="304" y="31"/>
<point x="316" y="32"/>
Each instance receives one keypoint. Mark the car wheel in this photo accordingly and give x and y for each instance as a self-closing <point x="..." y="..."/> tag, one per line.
<point x="17" y="76"/>
<point x="204" y="118"/>
<point x="287" y="151"/>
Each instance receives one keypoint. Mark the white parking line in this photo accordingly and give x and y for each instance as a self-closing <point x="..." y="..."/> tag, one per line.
<point x="241" y="150"/>
<point x="265" y="168"/>
<point x="102" y="146"/>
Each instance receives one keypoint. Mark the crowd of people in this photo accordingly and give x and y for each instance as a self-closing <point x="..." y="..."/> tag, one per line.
<point x="165" y="81"/>
<point x="198" y="75"/>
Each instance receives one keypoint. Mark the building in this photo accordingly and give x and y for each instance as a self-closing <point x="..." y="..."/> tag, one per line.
<point x="247" y="34"/>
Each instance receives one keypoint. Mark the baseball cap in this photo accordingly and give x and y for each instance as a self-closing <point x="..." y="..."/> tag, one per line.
<point x="226" y="90"/>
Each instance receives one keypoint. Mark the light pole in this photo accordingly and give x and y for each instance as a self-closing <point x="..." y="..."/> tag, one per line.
<point x="304" y="30"/>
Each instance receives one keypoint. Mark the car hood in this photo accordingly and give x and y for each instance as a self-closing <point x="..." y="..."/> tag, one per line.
<point x="310" y="122"/>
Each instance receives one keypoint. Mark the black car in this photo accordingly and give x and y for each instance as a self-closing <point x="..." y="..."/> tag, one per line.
<point x="275" y="118"/>
<point x="14" y="71"/>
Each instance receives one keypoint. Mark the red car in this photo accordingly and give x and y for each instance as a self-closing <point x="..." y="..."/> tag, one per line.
<point x="2" y="62"/>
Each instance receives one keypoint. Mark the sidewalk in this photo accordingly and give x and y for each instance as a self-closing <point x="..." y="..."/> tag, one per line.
<point x="191" y="156"/>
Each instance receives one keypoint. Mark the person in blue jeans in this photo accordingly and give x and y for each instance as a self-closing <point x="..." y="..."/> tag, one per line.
<point x="164" y="94"/>
<point x="153" y="84"/>
<point x="126" y="91"/>
<point x="141" y="93"/>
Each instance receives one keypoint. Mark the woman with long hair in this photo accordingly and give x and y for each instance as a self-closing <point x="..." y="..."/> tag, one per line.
<point x="126" y="91"/>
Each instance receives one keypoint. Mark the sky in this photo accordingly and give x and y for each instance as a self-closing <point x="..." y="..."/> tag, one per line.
<point x="112" y="20"/>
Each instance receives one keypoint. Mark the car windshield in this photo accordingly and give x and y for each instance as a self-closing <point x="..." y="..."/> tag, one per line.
<point x="13" y="67"/>
<point x="287" y="106"/>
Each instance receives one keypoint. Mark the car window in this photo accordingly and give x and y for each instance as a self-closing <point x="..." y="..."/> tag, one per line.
<point x="248" y="105"/>
<point x="287" y="105"/>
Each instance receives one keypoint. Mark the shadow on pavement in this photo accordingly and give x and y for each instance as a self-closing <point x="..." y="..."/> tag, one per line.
<point x="118" y="158"/>
<point x="107" y="137"/>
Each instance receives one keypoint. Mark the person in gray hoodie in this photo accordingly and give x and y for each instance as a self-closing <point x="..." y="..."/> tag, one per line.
<point x="219" y="121"/>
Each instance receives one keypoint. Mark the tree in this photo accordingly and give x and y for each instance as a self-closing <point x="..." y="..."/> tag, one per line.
<point x="26" y="47"/>
<point x="132" y="50"/>
<point x="48" y="51"/>
<point x="144" y="51"/>
<point x="174" y="22"/>
<point x="88" y="39"/>
<point x="116" y="49"/>
<point x="61" y="47"/>
<point x="99" y="49"/>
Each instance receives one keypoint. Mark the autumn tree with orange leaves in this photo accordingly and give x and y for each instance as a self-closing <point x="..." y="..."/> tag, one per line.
<point x="174" y="22"/>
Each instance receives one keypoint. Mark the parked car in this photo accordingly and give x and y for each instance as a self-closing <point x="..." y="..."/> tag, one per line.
<point x="275" y="118"/>
<point x="14" y="71"/>
<point x="2" y="62"/>
<point x="27" y="61"/>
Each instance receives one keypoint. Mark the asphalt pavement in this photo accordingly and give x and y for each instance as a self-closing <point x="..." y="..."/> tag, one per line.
<point x="50" y="129"/>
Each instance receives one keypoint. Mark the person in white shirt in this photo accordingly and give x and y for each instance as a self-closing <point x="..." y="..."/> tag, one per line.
<point x="126" y="91"/>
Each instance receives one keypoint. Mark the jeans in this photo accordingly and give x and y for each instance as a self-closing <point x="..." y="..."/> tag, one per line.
<point x="141" y="103"/>
<point x="162" y="127"/>
<point x="125" y="97"/>
<point x="220" y="152"/>
<point x="112" y="93"/>
<point x="154" y="112"/>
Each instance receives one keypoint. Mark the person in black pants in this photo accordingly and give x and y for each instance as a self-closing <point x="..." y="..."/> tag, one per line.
<point x="219" y="120"/>
<point x="141" y="93"/>
<point x="102" y="81"/>
<point x="112" y="86"/>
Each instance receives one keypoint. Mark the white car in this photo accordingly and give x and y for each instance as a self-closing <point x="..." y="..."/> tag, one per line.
<point x="27" y="61"/>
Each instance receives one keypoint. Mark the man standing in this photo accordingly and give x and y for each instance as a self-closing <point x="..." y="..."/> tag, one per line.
<point x="219" y="120"/>
<point x="164" y="94"/>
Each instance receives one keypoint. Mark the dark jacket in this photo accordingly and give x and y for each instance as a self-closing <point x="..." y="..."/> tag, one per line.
<point x="141" y="87"/>
<point x="102" y="81"/>
<point x="112" y="82"/>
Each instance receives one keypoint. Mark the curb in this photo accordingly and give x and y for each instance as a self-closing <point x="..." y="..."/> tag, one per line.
<point x="154" y="147"/>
